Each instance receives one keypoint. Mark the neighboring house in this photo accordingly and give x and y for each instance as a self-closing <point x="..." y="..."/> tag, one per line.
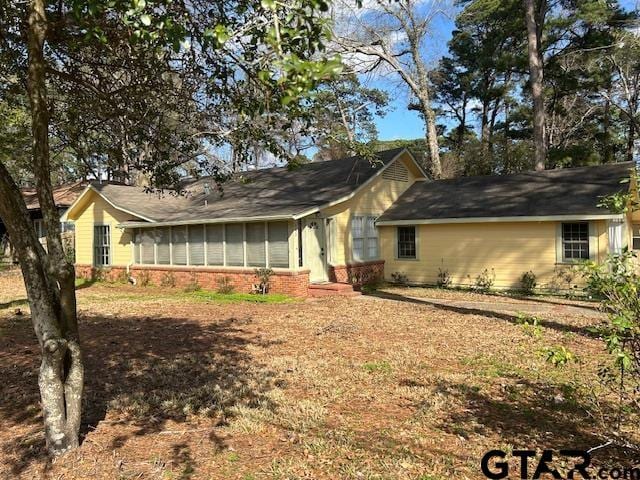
<point x="63" y="196"/>
<point x="351" y="221"/>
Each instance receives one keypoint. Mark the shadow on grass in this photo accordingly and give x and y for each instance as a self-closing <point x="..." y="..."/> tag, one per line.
<point x="549" y="299"/>
<point x="145" y="372"/>
<point x="561" y="327"/>
<point x="14" y="303"/>
<point x="525" y="416"/>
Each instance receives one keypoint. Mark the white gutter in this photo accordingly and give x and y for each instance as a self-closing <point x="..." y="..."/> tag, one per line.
<point x="541" y="218"/>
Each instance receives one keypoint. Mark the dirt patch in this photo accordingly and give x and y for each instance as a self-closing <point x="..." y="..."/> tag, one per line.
<point x="335" y="388"/>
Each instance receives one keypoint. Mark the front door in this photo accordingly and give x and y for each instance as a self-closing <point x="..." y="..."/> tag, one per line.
<point x="315" y="251"/>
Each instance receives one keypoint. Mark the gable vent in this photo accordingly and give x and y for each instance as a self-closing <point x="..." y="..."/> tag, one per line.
<point x="396" y="171"/>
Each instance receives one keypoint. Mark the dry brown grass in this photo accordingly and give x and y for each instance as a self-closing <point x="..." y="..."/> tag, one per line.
<point x="362" y="388"/>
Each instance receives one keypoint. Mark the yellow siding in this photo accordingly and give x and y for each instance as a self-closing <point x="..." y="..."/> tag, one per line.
<point x="465" y="250"/>
<point x="374" y="199"/>
<point x="98" y="212"/>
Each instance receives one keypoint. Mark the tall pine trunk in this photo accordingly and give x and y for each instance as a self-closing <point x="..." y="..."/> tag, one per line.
<point x="536" y="78"/>
<point x="49" y="277"/>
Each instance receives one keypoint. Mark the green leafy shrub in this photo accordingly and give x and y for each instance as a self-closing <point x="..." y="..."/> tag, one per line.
<point x="168" y="280"/>
<point x="444" y="278"/>
<point x="528" y="282"/>
<point x="558" y="356"/>
<point x="530" y="325"/>
<point x="485" y="280"/>
<point x="617" y="283"/>
<point x="225" y="286"/>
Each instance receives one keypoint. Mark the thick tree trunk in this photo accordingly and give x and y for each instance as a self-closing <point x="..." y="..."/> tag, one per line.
<point x="432" y="141"/>
<point x="536" y="79"/>
<point x="48" y="276"/>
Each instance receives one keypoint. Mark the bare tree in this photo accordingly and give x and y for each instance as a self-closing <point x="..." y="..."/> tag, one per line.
<point x="625" y="92"/>
<point x="393" y="37"/>
<point x="534" y="20"/>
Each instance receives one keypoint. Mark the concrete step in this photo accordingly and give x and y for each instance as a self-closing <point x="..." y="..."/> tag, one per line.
<point x="326" y="289"/>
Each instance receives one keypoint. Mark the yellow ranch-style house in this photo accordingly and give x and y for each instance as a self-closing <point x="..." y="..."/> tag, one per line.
<point x="354" y="221"/>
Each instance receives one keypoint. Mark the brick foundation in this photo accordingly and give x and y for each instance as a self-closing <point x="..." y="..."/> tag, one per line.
<point x="285" y="281"/>
<point x="357" y="273"/>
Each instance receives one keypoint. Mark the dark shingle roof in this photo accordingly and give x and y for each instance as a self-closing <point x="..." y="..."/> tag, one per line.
<point x="571" y="191"/>
<point x="273" y="192"/>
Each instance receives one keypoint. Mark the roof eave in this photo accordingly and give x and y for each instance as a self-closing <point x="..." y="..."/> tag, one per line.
<point x="522" y="218"/>
<point x="177" y="223"/>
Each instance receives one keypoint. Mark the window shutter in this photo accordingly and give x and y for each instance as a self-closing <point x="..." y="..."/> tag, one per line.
<point x="278" y="245"/>
<point x="147" y="243"/>
<point x="234" y="244"/>
<point x="215" y="254"/>
<point x="256" y="255"/>
<point x="163" y="251"/>
<point x="179" y="247"/>
<point x="196" y="245"/>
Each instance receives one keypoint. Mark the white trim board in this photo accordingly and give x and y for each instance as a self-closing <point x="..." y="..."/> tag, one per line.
<point x="92" y="188"/>
<point x="544" y="218"/>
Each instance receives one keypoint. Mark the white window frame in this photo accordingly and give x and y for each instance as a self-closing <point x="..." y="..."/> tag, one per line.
<point x="364" y="218"/>
<point x="396" y="244"/>
<point x="592" y="244"/>
<point x="108" y="245"/>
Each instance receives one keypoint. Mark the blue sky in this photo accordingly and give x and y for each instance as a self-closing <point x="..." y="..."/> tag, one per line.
<point x="401" y="123"/>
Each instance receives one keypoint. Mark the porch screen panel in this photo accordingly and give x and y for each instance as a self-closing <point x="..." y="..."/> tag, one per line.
<point x="179" y="245"/>
<point x="215" y="252"/>
<point x="278" y="245"/>
<point x="234" y="244"/>
<point x="146" y="247"/>
<point x="196" y="245"/>
<point x="256" y="254"/>
<point x="163" y="250"/>
<point x="137" y="239"/>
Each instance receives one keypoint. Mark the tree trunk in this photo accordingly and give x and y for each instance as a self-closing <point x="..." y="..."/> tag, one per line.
<point x="631" y="141"/>
<point x="536" y="78"/>
<point x="48" y="276"/>
<point x="432" y="141"/>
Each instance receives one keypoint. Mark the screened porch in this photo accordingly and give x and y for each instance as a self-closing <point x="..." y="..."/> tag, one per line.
<point x="255" y="245"/>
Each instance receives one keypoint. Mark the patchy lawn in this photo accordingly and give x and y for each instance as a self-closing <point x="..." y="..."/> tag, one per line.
<point x="404" y="384"/>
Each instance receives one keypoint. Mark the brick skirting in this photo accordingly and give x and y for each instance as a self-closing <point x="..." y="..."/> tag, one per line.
<point x="294" y="283"/>
<point x="357" y="273"/>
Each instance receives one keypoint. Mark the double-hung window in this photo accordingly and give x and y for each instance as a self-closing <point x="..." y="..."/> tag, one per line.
<point x="636" y="236"/>
<point x="364" y="238"/>
<point x="575" y="241"/>
<point x="101" y="245"/>
<point x="406" y="242"/>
